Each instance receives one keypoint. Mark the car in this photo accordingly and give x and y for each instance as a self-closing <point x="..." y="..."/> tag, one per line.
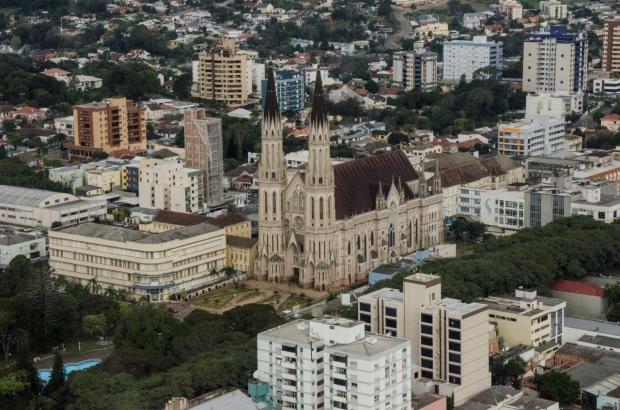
<point x="173" y="310"/>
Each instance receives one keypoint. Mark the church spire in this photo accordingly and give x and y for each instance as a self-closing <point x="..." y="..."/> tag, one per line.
<point x="319" y="113"/>
<point x="271" y="100"/>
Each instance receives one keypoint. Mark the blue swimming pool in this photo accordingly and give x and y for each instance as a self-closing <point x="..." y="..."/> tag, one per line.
<point x="46" y="374"/>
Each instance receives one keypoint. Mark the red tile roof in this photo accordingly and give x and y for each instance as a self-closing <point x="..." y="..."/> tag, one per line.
<point x="357" y="182"/>
<point x="575" y="286"/>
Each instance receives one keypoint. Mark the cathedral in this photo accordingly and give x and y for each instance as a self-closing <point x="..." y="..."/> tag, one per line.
<point x="328" y="226"/>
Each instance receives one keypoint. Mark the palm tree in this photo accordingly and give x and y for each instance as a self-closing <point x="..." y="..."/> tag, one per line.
<point x="93" y="286"/>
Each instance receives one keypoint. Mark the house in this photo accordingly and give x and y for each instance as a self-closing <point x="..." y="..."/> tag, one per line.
<point x="30" y="113"/>
<point x="57" y="74"/>
<point x="611" y="122"/>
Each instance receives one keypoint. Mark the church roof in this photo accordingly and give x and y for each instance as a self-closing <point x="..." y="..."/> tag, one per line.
<point x="319" y="113"/>
<point x="271" y="100"/>
<point x="357" y="182"/>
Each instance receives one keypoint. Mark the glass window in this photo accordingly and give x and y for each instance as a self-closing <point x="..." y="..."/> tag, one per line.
<point x="454" y="346"/>
<point x="426" y="341"/>
<point x="427" y="330"/>
<point x="426" y="352"/>
<point x="426" y="318"/>
<point x="365" y="307"/>
<point x="390" y="311"/>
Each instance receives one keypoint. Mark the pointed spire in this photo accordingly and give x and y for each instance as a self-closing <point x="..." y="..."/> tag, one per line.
<point x="271" y="100"/>
<point x="318" y="101"/>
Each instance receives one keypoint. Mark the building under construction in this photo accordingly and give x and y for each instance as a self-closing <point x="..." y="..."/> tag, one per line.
<point x="203" y="150"/>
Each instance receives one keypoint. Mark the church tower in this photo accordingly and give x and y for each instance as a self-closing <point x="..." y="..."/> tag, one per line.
<point x="271" y="189"/>
<point x="320" y="212"/>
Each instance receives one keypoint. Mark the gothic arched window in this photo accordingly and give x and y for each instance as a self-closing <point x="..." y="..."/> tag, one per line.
<point x="391" y="236"/>
<point x="321" y="208"/>
<point x="273" y="199"/>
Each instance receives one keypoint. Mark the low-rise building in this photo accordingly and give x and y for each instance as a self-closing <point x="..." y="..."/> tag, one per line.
<point x="146" y="265"/>
<point x="527" y="319"/>
<point x="38" y="208"/>
<point x="534" y="135"/>
<point x="583" y="299"/>
<point x="333" y="363"/>
<point x="611" y="122"/>
<point x="241" y="253"/>
<point x="554" y="9"/>
<point x="14" y="243"/>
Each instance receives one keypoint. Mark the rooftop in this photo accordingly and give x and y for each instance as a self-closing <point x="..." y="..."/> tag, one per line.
<point x="240" y="241"/>
<point x="16" y="238"/>
<point x="600" y="326"/>
<point x="370" y="345"/>
<point x="386" y="293"/>
<point x="457" y="308"/>
<point x="579" y="287"/>
<point x="25" y="196"/>
<point x="119" y="234"/>
<point x="601" y="340"/>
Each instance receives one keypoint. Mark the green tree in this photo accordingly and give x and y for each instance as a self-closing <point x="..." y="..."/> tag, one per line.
<point x="14" y="139"/>
<point x="371" y="86"/>
<point x="558" y="387"/>
<point x="57" y="378"/>
<point x="95" y="325"/>
<point x="24" y="363"/>
<point x="515" y="369"/>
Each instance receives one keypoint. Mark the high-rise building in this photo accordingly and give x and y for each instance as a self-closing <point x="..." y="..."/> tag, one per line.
<point x="611" y="46"/>
<point x="554" y="9"/>
<point x="415" y="70"/>
<point x="203" y="150"/>
<point x="332" y="363"/>
<point x="222" y="74"/>
<point x="555" y="61"/>
<point x="533" y="135"/>
<point x="512" y="9"/>
<point x="110" y="125"/>
<point x="464" y="58"/>
<point x="290" y="90"/>
<point x="169" y="185"/>
<point x="449" y="338"/>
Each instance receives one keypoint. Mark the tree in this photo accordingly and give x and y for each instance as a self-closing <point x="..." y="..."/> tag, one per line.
<point x="371" y="86"/>
<point x="396" y="138"/>
<point x="14" y="139"/>
<point x="515" y="369"/>
<point x="558" y="387"/>
<point x="95" y="325"/>
<point x="8" y="333"/>
<point x="182" y="86"/>
<point x="179" y="138"/>
<point x="24" y="363"/>
<point x="57" y="378"/>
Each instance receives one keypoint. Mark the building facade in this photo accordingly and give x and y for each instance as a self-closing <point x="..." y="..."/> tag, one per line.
<point x="554" y="9"/>
<point x="534" y="135"/>
<point x="329" y="225"/>
<point x="543" y="206"/>
<point x="415" y="70"/>
<point x="31" y="245"/>
<point x="204" y="151"/>
<point x="464" y="58"/>
<point x="150" y="265"/>
<point x="332" y="363"/>
<point x="290" y="90"/>
<point x="555" y="61"/>
<point x="611" y="46"/>
<point x="169" y="185"/>
<point x="222" y="74"/>
<point x="110" y="125"/>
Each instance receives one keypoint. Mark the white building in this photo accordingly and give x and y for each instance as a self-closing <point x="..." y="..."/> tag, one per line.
<point x="554" y="10"/>
<point x="503" y="209"/>
<point x="64" y="125"/>
<point x="86" y="82"/>
<point x="606" y="86"/>
<point x="464" y="58"/>
<point x="533" y="135"/>
<point x="415" y="70"/>
<point x="553" y="105"/>
<point x="169" y="185"/>
<point x="333" y="363"/>
<point x="14" y="243"/>
<point x="37" y="208"/>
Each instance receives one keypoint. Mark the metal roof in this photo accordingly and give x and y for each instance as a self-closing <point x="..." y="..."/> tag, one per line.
<point x="13" y="195"/>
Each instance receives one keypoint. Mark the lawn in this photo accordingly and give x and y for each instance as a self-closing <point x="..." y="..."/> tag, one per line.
<point x="295" y="300"/>
<point x="84" y="345"/>
<point x="223" y="297"/>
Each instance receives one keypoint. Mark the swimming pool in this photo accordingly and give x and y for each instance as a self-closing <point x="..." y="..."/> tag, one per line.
<point x="46" y="374"/>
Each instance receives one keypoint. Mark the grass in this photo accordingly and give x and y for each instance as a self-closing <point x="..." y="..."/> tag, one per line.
<point x="223" y="297"/>
<point x="85" y="345"/>
<point x="294" y="300"/>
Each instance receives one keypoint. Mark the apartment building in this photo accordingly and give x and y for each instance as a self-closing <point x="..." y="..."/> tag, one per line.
<point x="533" y="135"/>
<point x="545" y="205"/>
<point x="554" y="9"/>
<point x="606" y="86"/>
<point x="150" y="265"/>
<point x="27" y="243"/>
<point x="449" y="337"/>
<point x="555" y="61"/>
<point x="553" y="105"/>
<point x="502" y="209"/>
<point x="512" y="9"/>
<point x="204" y="151"/>
<point x="415" y="70"/>
<point x="611" y="46"/>
<point x="169" y="185"/>
<point x="464" y="58"/>
<point x="527" y="319"/>
<point x="222" y="74"/>
<point x="290" y="90"/>
<point x="107" y="126"/>
<point x="333" y="363"/>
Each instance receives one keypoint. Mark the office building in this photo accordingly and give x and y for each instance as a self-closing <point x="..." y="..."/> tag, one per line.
<point x="556" y="106"/>
<point x="203" y="151"/>
<point x="554" y="9"/>
<point x="222" y="74"/>
<point x="449" y="338"/>
<point x="542" y="206"/>
<point x="107" y="126"/>
<point x="38" y="208"/>
<point x="333" y="363"/>
<point x="415" y="70"/>
<point x="169" y="185"/>
<point x="150" y="265"/>
<point x="555" y="61"/>
<point x="533" y="135"/>
<point x="465" y="58"/>
<point x="611" y="46"/>
<point x="527" y="319"/>
<point x="290" y="90"/>
<point x="502" y="210"/>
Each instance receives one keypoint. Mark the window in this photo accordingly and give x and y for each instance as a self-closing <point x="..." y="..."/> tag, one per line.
<point x="454" y="346"/>
<point x="455" y="369"/>
<point x="390" y="323"/>
<point x="390" y="311"/>
<point x="365" y="318"/>
<point x="454" y="334"/>
<point x="427" y="375"/>
<point x="454" y="357"/>
<point x="426" y="363"/>
<point x="426" y="341"/>
<point x="454" y="380"/>
<point x="340" y="382"/>
<point x="454" y="323"/>
<point x="426" y="318"/>
<point x="426" y="352"/>
<point x="427" y="330"/>
<point x="364" y="307"/>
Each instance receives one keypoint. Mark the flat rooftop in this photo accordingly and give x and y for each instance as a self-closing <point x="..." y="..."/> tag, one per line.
<point x="370" y="345"/>
<point x="119" y="234"/>
<point x="600" y="340"/>
<point x="386" y="293"/>
<point x="457" y="308"/>
<point x="600" y="326"/>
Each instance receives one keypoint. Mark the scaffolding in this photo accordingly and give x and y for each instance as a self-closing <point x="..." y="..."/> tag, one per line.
<point x="203" y="146"/>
